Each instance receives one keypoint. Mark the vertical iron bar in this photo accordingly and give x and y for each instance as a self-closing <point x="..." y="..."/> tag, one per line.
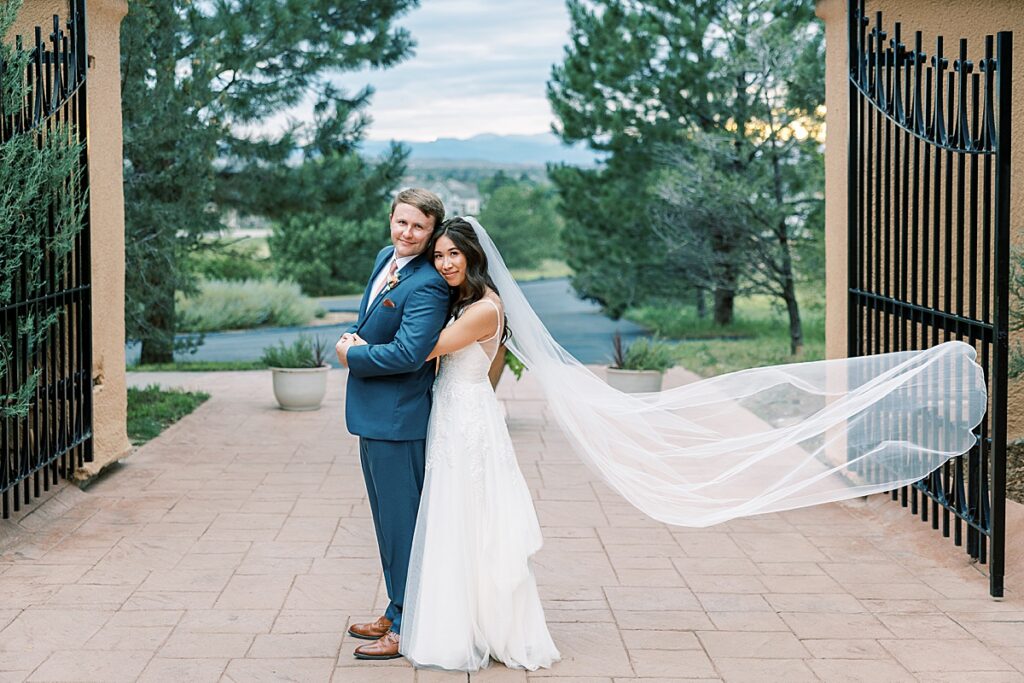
<point x="1004" y="61"/>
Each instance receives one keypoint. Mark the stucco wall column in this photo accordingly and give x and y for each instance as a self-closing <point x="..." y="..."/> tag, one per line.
<point x="106" y="187"/>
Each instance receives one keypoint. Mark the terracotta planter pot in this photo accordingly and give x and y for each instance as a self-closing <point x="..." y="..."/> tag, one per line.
<point x="634" y="381"/>
<point x="300" y="388"/>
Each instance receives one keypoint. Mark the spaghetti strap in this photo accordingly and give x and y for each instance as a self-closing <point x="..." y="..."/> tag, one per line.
<point x="497" y="309"/>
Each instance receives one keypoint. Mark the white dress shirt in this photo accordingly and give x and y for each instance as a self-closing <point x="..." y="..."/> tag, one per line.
<point x="382" y="276"/>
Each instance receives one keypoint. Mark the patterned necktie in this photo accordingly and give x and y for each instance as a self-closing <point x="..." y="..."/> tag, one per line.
<point x="391" y="273"/>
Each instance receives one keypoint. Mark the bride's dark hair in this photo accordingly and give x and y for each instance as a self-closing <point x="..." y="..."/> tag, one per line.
<point x="473" y="288"/>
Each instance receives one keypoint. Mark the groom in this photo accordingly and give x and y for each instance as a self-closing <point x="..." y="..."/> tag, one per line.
<point x="387" y="403"/>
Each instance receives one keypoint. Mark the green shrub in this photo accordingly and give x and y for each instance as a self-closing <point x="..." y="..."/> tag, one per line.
<point x="328" y="255"/>
<point x="642" y="354"/>
<point x="1016" y="361"/>
<point x="226" y="305"/>
<point x="240" y="261"/>
<point x="523" y="220"/>
<point x="304" y="352"/>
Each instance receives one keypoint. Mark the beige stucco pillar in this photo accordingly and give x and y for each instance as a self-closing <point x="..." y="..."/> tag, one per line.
<point x="954" y="20"/>
<point x="106" y="215"/>
<point x="106" y="187"/>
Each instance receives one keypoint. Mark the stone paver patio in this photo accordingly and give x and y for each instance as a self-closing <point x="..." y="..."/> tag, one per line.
<point x="238" y="546"/>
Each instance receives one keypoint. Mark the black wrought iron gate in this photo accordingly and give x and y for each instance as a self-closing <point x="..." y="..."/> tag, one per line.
<point x="45" y="295"/>
<point x="929" y="239"/>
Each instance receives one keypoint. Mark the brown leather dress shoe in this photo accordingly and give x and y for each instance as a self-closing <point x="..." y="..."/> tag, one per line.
<point x="386" y="647"/>
<point x="371" y="631"/>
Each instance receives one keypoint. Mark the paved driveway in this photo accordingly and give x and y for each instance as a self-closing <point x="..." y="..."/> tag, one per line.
<point x="578" y="325"/>
<point x="238" y="546"/>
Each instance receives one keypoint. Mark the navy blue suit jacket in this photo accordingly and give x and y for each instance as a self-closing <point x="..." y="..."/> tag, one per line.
<point x="389" y="381"/>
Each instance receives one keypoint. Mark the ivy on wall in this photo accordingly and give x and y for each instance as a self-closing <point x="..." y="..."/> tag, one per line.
<point x="42" y="210"/>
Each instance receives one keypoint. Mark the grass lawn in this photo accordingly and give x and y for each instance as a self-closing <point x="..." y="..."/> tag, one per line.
<point x="758" y="336"/>
<point x="548" y="268"/>
<point x="152" y="410"/>
<point x="200" y="366"/>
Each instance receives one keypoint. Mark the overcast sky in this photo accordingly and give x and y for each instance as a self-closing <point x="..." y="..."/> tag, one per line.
<point x="480" y="66"/>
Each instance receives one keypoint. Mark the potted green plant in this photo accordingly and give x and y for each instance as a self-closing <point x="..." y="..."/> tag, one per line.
<point x="640" y="366"/>
<point x="299" y="372"/>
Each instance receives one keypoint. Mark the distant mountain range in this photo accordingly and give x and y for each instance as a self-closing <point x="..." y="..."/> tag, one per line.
<point x="489" y="149"/>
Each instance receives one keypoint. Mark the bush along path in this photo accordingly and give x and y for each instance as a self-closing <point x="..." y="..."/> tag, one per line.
<point x="577" y="325"/>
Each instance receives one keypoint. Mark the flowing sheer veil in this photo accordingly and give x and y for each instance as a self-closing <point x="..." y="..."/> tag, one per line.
<point x="759" y="440"/>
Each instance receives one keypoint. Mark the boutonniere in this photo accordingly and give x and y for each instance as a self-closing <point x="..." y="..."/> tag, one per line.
<point x="393" y="281"/>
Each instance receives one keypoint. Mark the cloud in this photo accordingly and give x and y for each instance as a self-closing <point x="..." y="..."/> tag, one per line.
<point x="462" y="117"/>
<point x="480" y="66"/>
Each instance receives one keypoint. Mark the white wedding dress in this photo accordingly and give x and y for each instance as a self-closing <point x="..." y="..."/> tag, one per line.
<point x="471" y="594"/>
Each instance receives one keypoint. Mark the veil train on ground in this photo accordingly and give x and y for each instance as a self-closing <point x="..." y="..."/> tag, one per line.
<point x="758" y="440"/>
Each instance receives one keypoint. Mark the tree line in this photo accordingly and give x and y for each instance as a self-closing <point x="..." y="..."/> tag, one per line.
<point x="708" y="113"/>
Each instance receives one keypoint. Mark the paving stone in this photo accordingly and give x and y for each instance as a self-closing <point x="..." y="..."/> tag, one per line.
<point x="937" y="626"/>
<point x="298" y="670"/>
<point x="944" y="655"/>
<point x="974" y="677"/>
<point x="148" y="638"/>
<point x="733" y="602"/>
<point x="815" y="602"/>
<point x="650" y="577"/>
<point x="778" y="547"/>
<point x="169" y="600"/>
<point x="861" y="671"/>
<point x="674" y="663"/>
<point x="193" y="645"/>
<point x="238" y="546"/>
<point x="160" y="670"/>
<point x="825" y="625"/>
<point x="83" y="666"/>
<point x="430" y="676"/>
<point x="227" y="620"/>
<point x="665" y="620"/>
<point x="747" y="621"/>
<point x="726" y="583"/>
<point x="589" y="650"/>
<point x="52" y="629"/>
<point x="292" y="645"/>
<point x="708" y="545"/>
<point x="749" y="670"/>
<point x="255" y="592"/>
<point x="632" y="598"/>
<point x="659" y="640"/>
<point x="761" y="645"/>
<point x="187" y="580"/>
<point x="845" y="648"/>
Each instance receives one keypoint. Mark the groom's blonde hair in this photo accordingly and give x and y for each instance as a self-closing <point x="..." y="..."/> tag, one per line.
<point x="424" y="200"/>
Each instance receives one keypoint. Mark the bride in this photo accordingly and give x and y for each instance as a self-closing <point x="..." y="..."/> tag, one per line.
<point x="750" y="442"/>
<point x="471" y="594"/>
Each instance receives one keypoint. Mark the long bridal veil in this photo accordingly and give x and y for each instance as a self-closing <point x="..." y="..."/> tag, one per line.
<point x="759" y="440"/>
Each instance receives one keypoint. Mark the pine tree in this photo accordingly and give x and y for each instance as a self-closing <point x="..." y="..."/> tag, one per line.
<point x="756" y="184"/>
<point x="636" y="75"/>
<point x="197" y="78"/>
<point x="650" y="81"/>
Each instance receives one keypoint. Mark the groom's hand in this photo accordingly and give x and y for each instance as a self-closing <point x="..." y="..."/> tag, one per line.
<point x="342" y="347"/>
